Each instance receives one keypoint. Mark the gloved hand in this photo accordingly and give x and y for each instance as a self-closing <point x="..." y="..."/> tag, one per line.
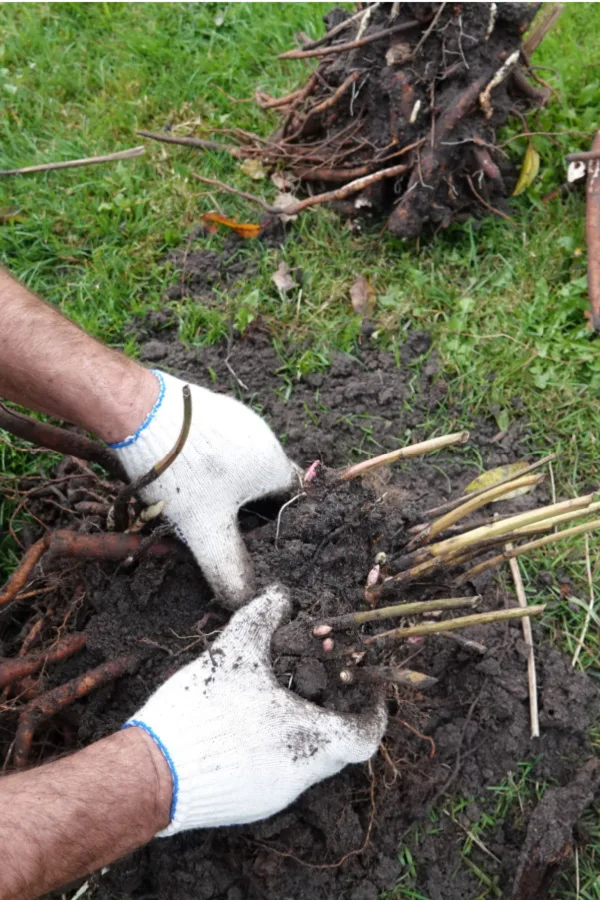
<point x="230" y="458"/>
<point x="239" y="746"/>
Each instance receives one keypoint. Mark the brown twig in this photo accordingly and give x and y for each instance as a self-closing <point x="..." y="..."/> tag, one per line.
<point x="488" y="206"/>
<point x="333" y="32"/>
<point x="538" y="96"/>
<point x="349" y="45"/>
<point x="14" y="669"/>
<point x="56" y="700"/>
<point x="122" y="498"/>
<point x="191" y="142"/>
<point x="583" y="156"/>
<point x="430" y="28"/>
<point x="592" y="234"/>
<point x="294" y="208"/>
<point x="62" y="441"/>
<point x="75" y="163"/>
<point x="540" y="28"/>
<point x="227" y="187"/>
<point x="337" y="175"/>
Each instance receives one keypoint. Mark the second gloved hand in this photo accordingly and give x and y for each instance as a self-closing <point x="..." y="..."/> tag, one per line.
<point x="231" y="457"/>
<point x="239" y="746"/>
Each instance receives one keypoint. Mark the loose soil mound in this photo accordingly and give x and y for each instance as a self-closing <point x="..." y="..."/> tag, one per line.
<point x="341" y="838"/>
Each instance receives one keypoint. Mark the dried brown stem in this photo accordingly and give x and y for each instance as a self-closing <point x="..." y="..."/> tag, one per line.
<point x="583" y="156"/>
<point x="75" y="163"/>
<point x="62" y="441"/>
<point x="349" y="45"/>
<point x="294" y="208"/>
<point x="333" y="99"/>
<point x="429" y="29"/>
<point x="488" y="206"/>
<point x="122" y="498"/>
<point x="214" y="182"/>
<point x="543" y="23"/>
<point x="190" y="142"/>
<point x="333" y="32"/>
<point x="324" y="174"/>
<point x="592" y="235"/>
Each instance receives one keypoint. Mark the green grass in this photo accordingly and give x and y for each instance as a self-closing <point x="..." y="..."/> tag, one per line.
<point x="504" y="303"/>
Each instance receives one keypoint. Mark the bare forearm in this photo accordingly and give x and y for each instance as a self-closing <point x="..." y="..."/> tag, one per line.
<point x="68" y="818"/>
<point x="48" y="364"/>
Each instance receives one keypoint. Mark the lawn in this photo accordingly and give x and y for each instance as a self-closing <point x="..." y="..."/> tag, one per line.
<point x="504" y="302"/>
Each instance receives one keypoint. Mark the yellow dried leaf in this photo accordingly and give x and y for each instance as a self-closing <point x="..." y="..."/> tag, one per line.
<point x="253" y="168"/>
<point x="493" y="477"/>
<point x="529" y="170"/>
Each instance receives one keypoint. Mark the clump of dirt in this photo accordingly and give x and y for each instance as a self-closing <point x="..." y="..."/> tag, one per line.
<point x="341" y="838"/>
<point x="205" y="274"/>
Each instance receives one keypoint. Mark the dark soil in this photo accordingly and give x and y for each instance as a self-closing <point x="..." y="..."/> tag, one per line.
<point x="475" y="718"/>
<point x="419" y="86"/>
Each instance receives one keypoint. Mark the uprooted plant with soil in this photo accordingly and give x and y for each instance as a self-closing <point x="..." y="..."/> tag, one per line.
<point x="399" y="117"/>
<point x="359" y="547"/>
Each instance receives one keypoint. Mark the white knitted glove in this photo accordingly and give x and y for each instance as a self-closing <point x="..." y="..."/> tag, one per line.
<point x="230" y="458"/>
<point x="239" y="746"/>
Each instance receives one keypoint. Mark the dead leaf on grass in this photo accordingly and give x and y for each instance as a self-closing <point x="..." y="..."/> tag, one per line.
<point x="242" y="229"/>
<point x="283" y="181"/>
<point x="282" y="200"/>
<point x="493" y="476"/>
<point x="362" y="296"/>
<point x="282" y="278"/>
<point x="253" y="168"/>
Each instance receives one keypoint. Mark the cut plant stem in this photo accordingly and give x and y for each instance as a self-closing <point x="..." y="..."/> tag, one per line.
<point x="451" y="518"/>
<point x="450" y="504"/>
<point x="558" y="520"/>
<point x="420" y="449"/>
<point x="468" y="644"/>
<point x="528" y="636"/>
<point x="588" y="615"/>
<point x="353" y="620"/>
<point x="391" y="674"/>
<point x="585" y="528"/>
<point x="487" y="532"/>
<point x="498" y="615"/>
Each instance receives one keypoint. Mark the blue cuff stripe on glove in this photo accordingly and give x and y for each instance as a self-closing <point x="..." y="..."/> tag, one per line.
<point x="133" y="438"/>
<point x="136" y="723"/>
